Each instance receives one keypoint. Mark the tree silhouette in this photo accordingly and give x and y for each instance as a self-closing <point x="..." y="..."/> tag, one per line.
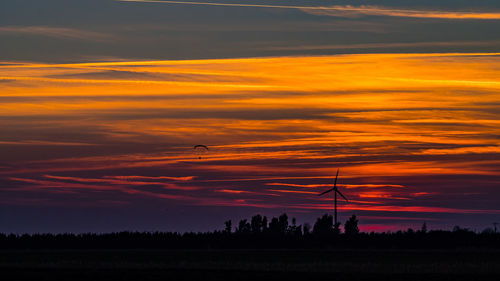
<point x="323" y="226"/>
<point x="257" y="235"/>
<point x="256" y="224"/>
<point x="424" y="228"/>
<point x="274" y="226"/>
<point x="228" y="226"/>
<point x="294" y="229"/>
<point x="283" y="223"/>
<point x="488" y="231"/>
<point x="243" y="227"/>
<point x="336" y="228"/>
<point x="307" y="229"/>
<point x="351" y="226"/>
<point x="264" y="224"/>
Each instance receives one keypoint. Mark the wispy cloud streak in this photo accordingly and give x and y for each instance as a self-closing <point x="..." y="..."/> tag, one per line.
<point x="57" y="32"/>
<point x="351" y="11"/>
<point x="383" y="45"/>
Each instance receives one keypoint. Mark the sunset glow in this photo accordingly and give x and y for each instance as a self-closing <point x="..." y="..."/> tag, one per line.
<point x="411" y="133"/>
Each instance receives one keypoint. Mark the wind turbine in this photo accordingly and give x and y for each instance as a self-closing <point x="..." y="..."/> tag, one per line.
<point x="335" y="190"/>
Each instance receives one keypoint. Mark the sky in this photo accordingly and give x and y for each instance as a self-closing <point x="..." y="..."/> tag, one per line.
<point x="101" y="103"/>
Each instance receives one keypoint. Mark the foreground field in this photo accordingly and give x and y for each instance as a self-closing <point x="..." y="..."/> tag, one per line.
<point x="250" y="265"/>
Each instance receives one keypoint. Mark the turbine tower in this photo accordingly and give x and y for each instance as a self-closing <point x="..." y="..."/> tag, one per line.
<point x="335" y="190"/>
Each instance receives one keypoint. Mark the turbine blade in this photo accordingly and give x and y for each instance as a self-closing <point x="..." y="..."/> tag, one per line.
<point x="329" y="190"/>
<point x="341" y="195"/>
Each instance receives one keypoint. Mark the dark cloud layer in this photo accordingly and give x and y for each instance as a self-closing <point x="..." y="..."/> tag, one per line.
<point x="80" y="30"/>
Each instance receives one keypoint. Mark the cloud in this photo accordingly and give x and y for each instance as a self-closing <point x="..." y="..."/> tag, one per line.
<point x="340" y="185"/>
<point x="237" y="192"/>
<point x="293" y="191"/>
<point x="463" y="150"/>
<point x="232" y="191"/>
<point x="44" y="143"/>
<point x="410" y="209"/>
<point x="125" y="182"/>
<point x="6" y="80"/>
<point x="382" y="45"/>
<point x="57" y="32"/>
<point x="149" y="76"/>
<point x="101" y="185"/>
<point x="379" y="194"/>
<point x="394" y="134"/>
<point x="351" y="11"/>
<point x="189" y="178"/>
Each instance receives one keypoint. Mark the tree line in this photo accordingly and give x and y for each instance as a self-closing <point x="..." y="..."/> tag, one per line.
<point x="324" y="226"/>
<point x="259" y="233"/>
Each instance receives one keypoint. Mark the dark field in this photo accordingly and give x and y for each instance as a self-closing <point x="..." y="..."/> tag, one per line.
<point x="250" y="265"/>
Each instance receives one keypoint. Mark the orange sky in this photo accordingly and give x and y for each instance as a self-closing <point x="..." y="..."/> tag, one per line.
<point x="412" y="133"/>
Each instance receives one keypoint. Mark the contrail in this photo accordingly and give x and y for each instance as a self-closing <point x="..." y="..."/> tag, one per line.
<point x="350" y="11"/>
<point x="225" y="4"/>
